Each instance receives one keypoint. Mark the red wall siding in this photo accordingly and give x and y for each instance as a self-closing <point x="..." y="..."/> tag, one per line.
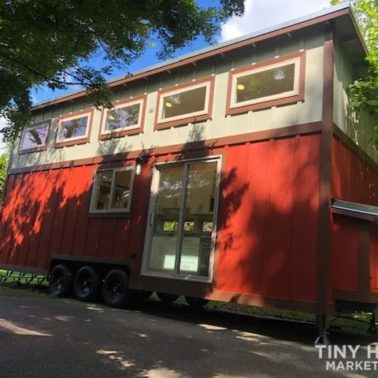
<point x="267" y="218"/>
<point x="46" y="213"/>
<point x="268" y="230"/>
<point x="354" y="179"/>
<point x="345" y="252"/>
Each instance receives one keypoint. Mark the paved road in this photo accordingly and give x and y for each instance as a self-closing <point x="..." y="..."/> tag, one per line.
<point x="48" y="337"/>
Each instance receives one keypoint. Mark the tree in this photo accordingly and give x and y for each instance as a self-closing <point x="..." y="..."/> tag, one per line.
<point x="363" y="92"/>
<point x="49" y="42"/>
<point x="4" y="157"/>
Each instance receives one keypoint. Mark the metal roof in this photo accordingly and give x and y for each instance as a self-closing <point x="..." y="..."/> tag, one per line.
<point x="229" y="43"/>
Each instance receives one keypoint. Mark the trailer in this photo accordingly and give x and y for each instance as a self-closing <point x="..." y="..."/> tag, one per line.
<point x="232" y="174"/>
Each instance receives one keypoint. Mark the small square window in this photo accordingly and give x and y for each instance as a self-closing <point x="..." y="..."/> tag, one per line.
<point x="74" y="128"/>
<point x="124" y="119"/>
<point x="112" y="190"/>
<point x="34" y="137"/>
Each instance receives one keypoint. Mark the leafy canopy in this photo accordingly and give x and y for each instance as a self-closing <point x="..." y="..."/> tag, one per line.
<point x="4" y="157"/>
<point x="49" y="42"/>
<point x="363" y="92"/>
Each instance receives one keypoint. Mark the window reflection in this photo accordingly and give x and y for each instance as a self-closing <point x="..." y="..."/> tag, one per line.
<point x="121" y="118"/>
<point x="265" y="83"/>
<point x="186" y="102"/>
<point x="73" y="128"/>
<point x="112" y="190"/>
<point x="34" y="137"/>
<point x="184" y="219"/>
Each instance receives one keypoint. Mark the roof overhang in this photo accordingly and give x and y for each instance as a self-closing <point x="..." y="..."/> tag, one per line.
<point x="345" y="26"/>
<point x="355" y="210"/>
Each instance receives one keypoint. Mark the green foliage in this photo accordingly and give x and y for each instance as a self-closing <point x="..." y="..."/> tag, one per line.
<point x="363" y="92"/>
<point x="49" y="42"/>
<point x="4" y="158"/>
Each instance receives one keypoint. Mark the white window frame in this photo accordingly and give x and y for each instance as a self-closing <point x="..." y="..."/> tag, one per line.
<point x="45" y="124"/>
<point x="173" y="92"/>
<point x="151" y="211"/>
<point x="92" y="208"/>
<point x="293" y="92"/>
<point x="71" y="118"/>
<point x="120" y="106"/>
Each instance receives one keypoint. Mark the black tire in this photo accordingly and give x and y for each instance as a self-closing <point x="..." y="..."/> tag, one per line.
<point x="61" y="281"/>
<point x="196" y="303"/>
<point x="86" y="284"/>
<point x="115" y="289"/>
<point x="167" y="298"/>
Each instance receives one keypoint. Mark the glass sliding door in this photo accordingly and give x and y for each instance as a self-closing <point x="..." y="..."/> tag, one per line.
<point x="166" y="219"/>
<point x="182" y="227"/>
<point x="198" y="222"/>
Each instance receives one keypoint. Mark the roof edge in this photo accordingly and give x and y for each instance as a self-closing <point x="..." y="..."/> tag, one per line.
<point x="233" y="44"/>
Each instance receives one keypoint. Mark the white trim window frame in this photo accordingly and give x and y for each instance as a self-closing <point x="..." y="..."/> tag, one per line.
<point x="206" y="84"/>
<point x="293" y="92"/>
<point x="95" y="191"/>
<point x="150" y="224"/>
<point x="121" y="106"/>
<point x="46" y="125"/>
<point x="71" y="118"/>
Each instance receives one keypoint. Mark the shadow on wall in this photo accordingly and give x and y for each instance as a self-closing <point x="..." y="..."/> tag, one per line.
<point x="267" y="219"/>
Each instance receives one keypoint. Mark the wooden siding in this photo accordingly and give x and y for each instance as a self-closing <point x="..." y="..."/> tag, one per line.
<point x="356" y="180"/>
<point x="267" y="242"/>
<point x="217" y="126"/>
<point x="267" y="218"/>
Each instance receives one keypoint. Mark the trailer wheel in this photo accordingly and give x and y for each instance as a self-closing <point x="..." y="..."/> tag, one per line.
<point x="87" y="284"/>
<point x="115" y="289"/>
<point x="196" y="303"/>
<point x="61" y="281"/>
<point x="167" y="298"/>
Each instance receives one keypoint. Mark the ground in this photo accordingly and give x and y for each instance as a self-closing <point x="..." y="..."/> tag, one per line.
<point x="41" y="336"/>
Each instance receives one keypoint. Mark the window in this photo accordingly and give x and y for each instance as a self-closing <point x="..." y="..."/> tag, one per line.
<point x="34" y="137"/>
<point x="74" y="129"/>
<point x="112" y="190"/>
<point x="181" y="230"/>
<point x="185" y="103"/>
<point x="276" y="82"/>
<point x="124" y="119"/>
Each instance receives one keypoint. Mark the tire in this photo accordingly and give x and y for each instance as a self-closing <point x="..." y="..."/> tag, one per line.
<point x="86" y="284"/>
<point x="167" y="298"/>
<point x="115" y="289"/>
<point x="196" y="303"/>
<point x="61" y="281"/>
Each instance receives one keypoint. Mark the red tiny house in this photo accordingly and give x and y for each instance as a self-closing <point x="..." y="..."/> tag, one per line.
<point x="256" y="206"/>
<point x="244" y="221"/>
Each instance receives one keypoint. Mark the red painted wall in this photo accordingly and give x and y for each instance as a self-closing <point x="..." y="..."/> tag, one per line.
<point x="354" y="179"/>
<point x="268" y="233"/>
<point x="46" y="213"/>
<point x="267" y="218"/>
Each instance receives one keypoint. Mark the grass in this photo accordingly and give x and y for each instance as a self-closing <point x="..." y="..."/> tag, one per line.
<point x="20" y="285"/>
<point x="354" y="321"/>
<point x="22" y="278"/>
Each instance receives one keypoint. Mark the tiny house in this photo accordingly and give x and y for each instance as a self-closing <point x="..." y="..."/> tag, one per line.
<point x="231" y="174"/>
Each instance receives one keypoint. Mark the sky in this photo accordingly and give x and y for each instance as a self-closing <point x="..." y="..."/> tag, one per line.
<point x="259" y="14"/>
